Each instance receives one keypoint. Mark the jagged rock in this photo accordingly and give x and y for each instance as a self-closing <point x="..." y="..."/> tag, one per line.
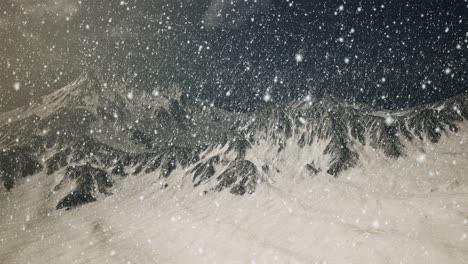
<point x="240" y="145"/>
<point x="89" y="181"/>
<point x="119" y="170"/>
<point x="90" y="123"/>
<point x="57" y="161"/>
<point x="18" y="162"/>
<point x="203" y="171"/>
<point x="241" y="177"/>
<point x="312" y="168"/>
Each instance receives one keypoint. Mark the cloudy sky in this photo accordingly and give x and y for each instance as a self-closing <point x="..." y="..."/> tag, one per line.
<point x="387" y="53"/>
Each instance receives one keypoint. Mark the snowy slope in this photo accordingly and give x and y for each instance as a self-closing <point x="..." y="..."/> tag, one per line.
<point x="161" y="179"/>
<point x="388" y="216"/>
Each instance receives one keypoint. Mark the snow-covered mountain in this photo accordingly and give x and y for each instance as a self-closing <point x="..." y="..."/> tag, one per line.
<point x="88" y="127"/>
<point x="95" y="142"/>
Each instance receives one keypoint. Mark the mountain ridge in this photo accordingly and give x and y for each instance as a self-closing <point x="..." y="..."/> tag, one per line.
<point x="114" y="135"/>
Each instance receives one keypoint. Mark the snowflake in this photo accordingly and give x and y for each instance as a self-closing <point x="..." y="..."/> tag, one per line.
<point x="389" y="120"/>
<point x="17" y="86"/>
<point x="421" y="158"/>
<point x="299" y="57"/>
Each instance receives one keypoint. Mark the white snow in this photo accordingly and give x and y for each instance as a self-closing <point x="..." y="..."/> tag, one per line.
<point x="16" y="86"/>
<point x="299" y="57"/>
<point x="410" y="210"/>
<point x="130" y="95"/>
<point x="383" y="211"/>
<point x="389" y="120"/>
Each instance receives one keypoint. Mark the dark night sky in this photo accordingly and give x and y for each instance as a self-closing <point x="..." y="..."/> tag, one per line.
<point x="388" y="53"/>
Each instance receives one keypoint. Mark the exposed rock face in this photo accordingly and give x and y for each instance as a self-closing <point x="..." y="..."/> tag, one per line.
<point x="89" y="182"/>
<point x="16" y="163"/>
<point x="88" y="134"/>
<point x="57" y="161"/>
<point x="240" y="177"/>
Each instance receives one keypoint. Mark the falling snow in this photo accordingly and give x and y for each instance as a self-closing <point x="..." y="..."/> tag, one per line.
<point x="139" y="131"/>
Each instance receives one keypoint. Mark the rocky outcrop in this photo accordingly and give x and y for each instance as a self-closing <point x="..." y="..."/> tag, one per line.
<point x="17" y="163"/>
<point x="88" y="181"/>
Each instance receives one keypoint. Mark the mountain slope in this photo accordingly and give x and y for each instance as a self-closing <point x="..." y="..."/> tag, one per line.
<point x="293" y="182"/>
<point x="89" y="123"/>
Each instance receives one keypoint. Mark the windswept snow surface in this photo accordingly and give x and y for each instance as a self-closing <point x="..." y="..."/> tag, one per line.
<point x="412" y="210"/>
<point x="90" y="174"/>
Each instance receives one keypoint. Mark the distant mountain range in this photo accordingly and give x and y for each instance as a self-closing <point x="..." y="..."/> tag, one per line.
<point x="91" y="135"/>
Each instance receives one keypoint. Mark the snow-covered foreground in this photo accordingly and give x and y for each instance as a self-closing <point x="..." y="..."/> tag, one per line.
<point x="408" y="211"/>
